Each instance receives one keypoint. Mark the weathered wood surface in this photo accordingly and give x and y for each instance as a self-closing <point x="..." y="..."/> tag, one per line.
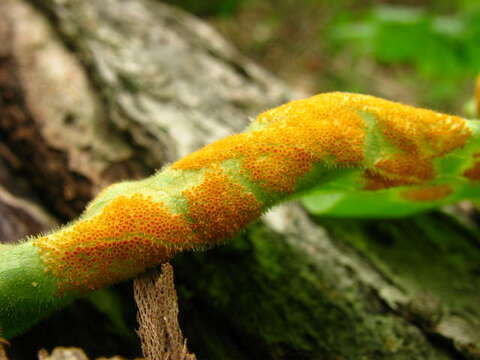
<point x="92" y="92"/>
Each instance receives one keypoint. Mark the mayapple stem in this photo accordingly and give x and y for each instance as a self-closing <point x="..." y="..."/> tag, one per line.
<point x="356" y="142"/>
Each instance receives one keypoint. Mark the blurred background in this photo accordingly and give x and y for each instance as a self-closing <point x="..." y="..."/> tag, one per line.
<point x="422" y="52"/>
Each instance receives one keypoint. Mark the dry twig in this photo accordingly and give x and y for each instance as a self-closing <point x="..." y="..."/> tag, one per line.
<point x="3" y="352"/>
<point x="157" y="315"/>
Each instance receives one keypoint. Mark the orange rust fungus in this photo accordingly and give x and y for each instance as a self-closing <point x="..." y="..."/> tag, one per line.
<point x="427" y="193"/>
<point x="329" y="127"/>
<point x="376" y="181"/>
<point x="473" y="173"/>
<point x="398" y="170"/>
<point x="413" y="130"/>
<point x="420" y="135"/>
<point x="219" y="207"/>
<point x="298" y="134"/>
<point x="133" y="233"/>
<point x="128" y="236"/>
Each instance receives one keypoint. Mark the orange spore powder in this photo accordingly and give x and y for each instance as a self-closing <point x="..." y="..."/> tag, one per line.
<point x="403" y="169"/>
<point x="473" y="173"/>
<point x="328" y="127"/>
<point x="427" y="193"/>
<point x="219" y="207"/>
<point x="128" y="236"/>
<point x="296" y="135"/>
<point x="375" y="181"/>
<point x="420" y="136"/>
<point x="133" y="233"/>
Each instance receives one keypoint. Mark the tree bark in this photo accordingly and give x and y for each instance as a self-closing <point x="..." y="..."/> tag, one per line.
<point x="93" y="92"/>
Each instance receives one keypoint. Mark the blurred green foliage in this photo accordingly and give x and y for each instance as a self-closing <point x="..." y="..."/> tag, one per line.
<point x="208" y="7"/>
<point x="444" y="49"/>
<point x="422" y="52"/>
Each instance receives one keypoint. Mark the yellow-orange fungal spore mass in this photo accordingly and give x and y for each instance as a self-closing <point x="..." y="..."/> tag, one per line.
<point x="427" y="193"/>
<point x="128" y="236"/>
<point x="473" y="173"/>
<point x="376" y="181"/>
<point x="219" y="207"/>
<point x="401" y="170"/>
<point x="322" y="128"/>
<point x="420" y="135"/>
<point x="413" y="130"/>
<point x="264" y="159"/>
<point x="298" y="134"/>
<point x="211" y="155"/>
<point x="133" y="233"/>
<point x="330" y="127"/>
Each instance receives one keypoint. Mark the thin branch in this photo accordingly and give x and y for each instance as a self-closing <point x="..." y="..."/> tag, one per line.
<point x="159" y="331"/>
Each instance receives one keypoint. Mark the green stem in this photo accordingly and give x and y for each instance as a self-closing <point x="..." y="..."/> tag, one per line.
<point x="336" y="143"/>
<point x="27" y="293"/>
